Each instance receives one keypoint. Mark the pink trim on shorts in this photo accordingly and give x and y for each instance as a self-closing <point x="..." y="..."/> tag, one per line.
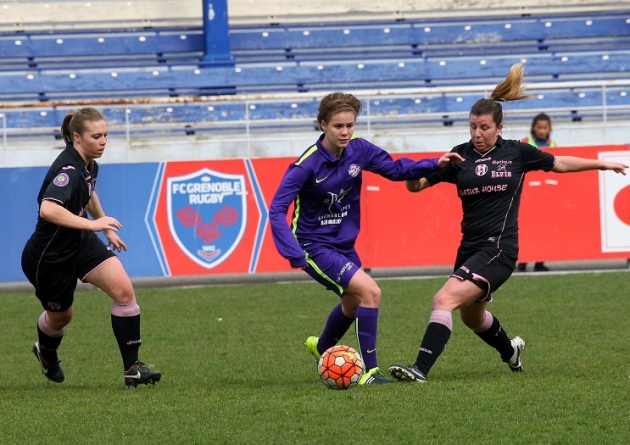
<point x="125" y="310"/>
<point x="47" y="329"/>
<point x="99" y="265"/>
<point x="486" y="323"/>
<point x="488" y="296"/>
<point x="442" y="317"/>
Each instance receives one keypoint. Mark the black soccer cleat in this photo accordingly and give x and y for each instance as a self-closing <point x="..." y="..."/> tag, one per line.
<point x="139" y="374"/>
<point x="407" y="373"/>
<point x="52" y="371"/>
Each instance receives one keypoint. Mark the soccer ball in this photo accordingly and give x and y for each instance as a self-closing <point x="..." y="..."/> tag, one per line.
<point x="340" y="367"/>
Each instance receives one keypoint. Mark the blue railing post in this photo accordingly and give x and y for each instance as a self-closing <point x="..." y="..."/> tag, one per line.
<point x="216" y="30"/>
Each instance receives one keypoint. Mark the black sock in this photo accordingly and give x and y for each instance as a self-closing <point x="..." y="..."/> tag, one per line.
<point x="496" y="337"/>
<point x="127" y="333"/>
<point x="48" y="346"/>
<point x="435" y="338"/>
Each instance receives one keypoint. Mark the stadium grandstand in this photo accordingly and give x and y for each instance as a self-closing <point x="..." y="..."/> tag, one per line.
<point x="181" y="74"/>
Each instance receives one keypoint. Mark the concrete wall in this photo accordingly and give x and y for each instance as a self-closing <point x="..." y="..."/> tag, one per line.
<point x="99" y="14"/>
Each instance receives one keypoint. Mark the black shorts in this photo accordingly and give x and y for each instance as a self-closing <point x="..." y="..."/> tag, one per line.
<point x="487" y="267"/>
<point x="55" y="282"/>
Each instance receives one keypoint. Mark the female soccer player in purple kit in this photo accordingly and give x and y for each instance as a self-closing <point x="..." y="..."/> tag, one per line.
<point x="489" y="183"/>
<point x="325" y="186"/>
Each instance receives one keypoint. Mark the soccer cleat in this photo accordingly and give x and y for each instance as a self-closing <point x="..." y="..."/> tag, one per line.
<point x="374" y="377"/>
<point x="52" y="371"/>
<point x="407" y="373"/>
<point x="311" y="345"/>
<point x="139" y="374"/>
<point x="515" y="363"/>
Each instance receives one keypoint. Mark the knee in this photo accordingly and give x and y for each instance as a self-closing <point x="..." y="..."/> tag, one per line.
<point x="473" y="321"/>
<point x="444" y="301"/>
<point x="122" y="294"/>
<point x="371" y="297"/>
<point x="59" y="320"/>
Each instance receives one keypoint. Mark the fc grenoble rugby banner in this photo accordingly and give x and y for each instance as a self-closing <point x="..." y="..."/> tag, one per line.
<point x="211" y="217"/>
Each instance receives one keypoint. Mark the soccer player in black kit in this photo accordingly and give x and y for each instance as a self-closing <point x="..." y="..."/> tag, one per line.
<point x="65" y="247"/>
<point x="489" y="183"/>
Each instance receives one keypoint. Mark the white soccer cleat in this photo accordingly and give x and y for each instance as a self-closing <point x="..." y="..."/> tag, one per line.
<point x="515" y="363"/>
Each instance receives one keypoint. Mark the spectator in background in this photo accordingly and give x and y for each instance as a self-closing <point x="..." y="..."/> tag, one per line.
<point x="539" y="137"/>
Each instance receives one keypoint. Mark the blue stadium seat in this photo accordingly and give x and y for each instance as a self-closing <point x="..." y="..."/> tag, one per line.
<point x="167" y="62"/>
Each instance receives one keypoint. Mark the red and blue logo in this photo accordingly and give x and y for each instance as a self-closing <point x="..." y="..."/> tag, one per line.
<point x="207" y="217"/>
<point x="207" y="211"/>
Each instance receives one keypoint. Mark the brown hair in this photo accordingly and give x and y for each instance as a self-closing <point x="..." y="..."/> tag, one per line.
<point x="511" y="88"/>
<point x="334" y="103"/>
<point x="74" y="122"/>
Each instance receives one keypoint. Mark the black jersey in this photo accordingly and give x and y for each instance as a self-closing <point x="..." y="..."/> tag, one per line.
<point x="490" y="186"/>
<point x="70" y="182"/>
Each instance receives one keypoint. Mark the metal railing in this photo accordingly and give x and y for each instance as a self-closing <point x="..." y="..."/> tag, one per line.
<point x="249" y="130"/>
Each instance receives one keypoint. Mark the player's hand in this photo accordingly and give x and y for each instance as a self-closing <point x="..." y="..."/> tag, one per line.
<point x="449" y="157"/>
<point x="106" y="223"/>
<point x="114" y="241"/>
<point x="617" y="167"/>
<point x="413" y="185"/>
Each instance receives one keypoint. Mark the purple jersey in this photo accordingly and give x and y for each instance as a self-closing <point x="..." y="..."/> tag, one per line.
<point x="326" y="192"/>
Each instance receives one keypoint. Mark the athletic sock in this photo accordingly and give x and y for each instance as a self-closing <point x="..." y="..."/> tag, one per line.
<point x="49" y="339"/>
<point x="336" y="326"/>
<point x="435" y="339"/>
<point x="366" y="328"/>
<point x="496" y="337"/>
<point x="126" y="327"/>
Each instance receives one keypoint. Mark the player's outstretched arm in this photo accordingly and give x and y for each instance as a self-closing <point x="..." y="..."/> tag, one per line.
<point x="569" y="164"/>
<point x="417" y="185"/>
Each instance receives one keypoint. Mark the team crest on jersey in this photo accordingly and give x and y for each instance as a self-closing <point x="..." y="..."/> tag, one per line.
<point x="481" y="169"/>
<point x="61" y="180"/>
<point x="354" y="170"/>
<point x="207" y="213"/>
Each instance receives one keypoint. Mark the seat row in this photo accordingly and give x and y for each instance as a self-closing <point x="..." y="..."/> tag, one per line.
<point x="189" y="79"/>
<point x="440" y="108"/>
<point x="169" y="62"/>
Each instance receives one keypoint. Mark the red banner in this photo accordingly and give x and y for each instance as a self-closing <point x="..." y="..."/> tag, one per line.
<point x="212" y="216"/>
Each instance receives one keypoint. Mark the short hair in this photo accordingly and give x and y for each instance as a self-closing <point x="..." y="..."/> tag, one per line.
<point x="74" y="122"/>
<point x="334" y="103"/>
<point x="511" y="88"/>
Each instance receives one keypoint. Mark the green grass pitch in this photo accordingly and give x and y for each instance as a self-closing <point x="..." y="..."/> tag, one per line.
<point x="235" y="370"/>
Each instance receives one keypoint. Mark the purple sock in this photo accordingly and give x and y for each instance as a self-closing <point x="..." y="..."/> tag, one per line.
<point x="336" y="326"/>
<point x="366" y="326"/>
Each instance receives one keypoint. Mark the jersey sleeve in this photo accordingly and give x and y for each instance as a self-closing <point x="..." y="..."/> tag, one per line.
<point x="288" y="190"/>
<point x="62" y="186"/>
<point x="380" y="162"/>
<point x="446" y="174"/>
<point x="535" y="159"/>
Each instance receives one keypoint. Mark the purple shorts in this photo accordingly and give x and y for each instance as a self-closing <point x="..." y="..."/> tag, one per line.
<point x="332" y="269"/>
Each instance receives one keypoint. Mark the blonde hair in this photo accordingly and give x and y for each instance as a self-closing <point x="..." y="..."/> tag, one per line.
<point x="512" y="88"/>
